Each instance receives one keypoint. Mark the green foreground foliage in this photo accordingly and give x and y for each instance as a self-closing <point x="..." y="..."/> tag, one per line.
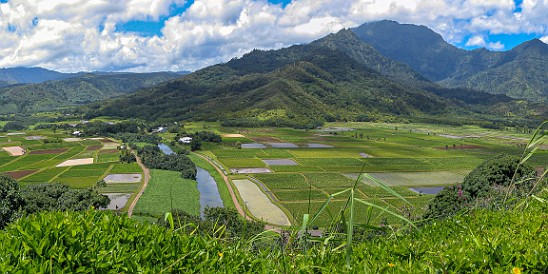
<point x="16" y="201"/>
<point x="100" y="242"/>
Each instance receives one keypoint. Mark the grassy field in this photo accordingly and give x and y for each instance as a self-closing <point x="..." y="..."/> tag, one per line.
<point x="167" y="190"/>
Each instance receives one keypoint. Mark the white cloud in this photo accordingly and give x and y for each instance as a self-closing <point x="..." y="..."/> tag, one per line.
<point x="67" y="35"/>
<point x="476" y="41"/>
<point x="544" y="39"/>
<point x="495" y="45"/>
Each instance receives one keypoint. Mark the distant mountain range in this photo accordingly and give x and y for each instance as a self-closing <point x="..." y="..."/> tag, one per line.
<point x="519" y="73"/>
<point x="78" y="89"/>
<point x="21" y="75"/>
<point x="378" y="70"/>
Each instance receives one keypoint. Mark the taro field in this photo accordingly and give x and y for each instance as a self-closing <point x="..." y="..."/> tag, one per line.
<point x="313" y="164"/>
<point x="50" y="157"/>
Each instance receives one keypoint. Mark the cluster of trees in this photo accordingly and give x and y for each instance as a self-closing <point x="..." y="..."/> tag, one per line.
<point x="301" y="123"/>
<point x="487" y="186"/>
<point x="205" y="136"/>
<point x="234" y="226"/>
<point x="126" y="156"/>
<point x="106" y="129"/>
<point x="16" y="201"/>
<point x="13" y="126"/>
<point x="153" y="157"/>
<point x="138" y="138"/>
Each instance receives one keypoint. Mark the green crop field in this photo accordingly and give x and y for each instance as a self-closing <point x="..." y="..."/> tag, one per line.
<point x="242" y="162"/>
<point x="167" y="190"/>
<point x="120" y="188"/>
<point x="43" y="158"/>
<point x="126" y="168"/>
<point x="399" y="155"/>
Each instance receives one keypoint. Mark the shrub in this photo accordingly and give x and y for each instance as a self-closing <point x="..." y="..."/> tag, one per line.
<point x="496" y="171"/>
<point x="46" y="196"/>
<point x="486" y="186"/>
<point x="11" y="201"/>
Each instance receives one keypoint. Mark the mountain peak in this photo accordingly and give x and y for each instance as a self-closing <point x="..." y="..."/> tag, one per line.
<point x="418" y="46"/>
<point x="535" y="44"/>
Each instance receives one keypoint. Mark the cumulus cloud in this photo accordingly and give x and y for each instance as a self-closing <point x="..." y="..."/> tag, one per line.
<point x="74" y="35"/>
<point x="476" y="41"/>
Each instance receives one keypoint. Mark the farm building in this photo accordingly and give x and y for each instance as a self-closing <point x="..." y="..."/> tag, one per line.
<point x="185" y="140"/>
<point x="160" y="130"/>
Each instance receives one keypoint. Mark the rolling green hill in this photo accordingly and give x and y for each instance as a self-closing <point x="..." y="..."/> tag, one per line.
<point x="73" y="91"/>
<point x="519" y="73"/>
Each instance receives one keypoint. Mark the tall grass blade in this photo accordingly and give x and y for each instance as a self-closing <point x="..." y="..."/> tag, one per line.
<point x="385" y="187"/>
<point x="386" y="210"/>
<point x="535" y="142"/>
<point x="304" y="225"/>
<point x="350" y="230"/>
<point x="169" y="218"/>
<point x="326" y="203"/>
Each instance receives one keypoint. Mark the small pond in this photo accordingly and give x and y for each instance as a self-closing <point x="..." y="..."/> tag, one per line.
<point x="117" y="200"/>
<point x="283" y="145"/>
<point x="166" y="149"/>
<point x="427" y="190"/>
<point x="253" y="145"/>
<point x="313" y="145"/>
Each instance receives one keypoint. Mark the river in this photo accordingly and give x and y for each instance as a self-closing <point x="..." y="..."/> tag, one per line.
<point x="209" y="193"/>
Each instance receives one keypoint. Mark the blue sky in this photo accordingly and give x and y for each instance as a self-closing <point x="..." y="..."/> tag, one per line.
<point x="154" y="35"/>
<point x="154" y="27"/>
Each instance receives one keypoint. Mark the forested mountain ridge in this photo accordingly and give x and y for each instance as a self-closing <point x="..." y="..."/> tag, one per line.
<point x="83" y="89"/>
<point x="361" y="52"/>
<point x="304" y="82"/>
<point x="520" y="73"/>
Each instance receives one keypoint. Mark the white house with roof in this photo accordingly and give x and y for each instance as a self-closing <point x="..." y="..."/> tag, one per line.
<point x="185" y="140"/>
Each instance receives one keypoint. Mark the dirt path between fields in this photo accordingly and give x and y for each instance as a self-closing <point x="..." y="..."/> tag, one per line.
<point x="146" y="173"/>
<point x="225" y="178"/>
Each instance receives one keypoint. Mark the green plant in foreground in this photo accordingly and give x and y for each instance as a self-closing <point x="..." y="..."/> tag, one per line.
<point x="348" y="224"/>
<point x="102" y="242"/>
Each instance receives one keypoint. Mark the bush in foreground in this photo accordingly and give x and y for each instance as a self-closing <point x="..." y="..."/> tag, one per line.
<point x="101" y="242"/>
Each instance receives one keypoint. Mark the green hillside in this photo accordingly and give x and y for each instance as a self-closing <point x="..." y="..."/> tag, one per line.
<point x="301" y="83"/>
<point x="79" y="90"/>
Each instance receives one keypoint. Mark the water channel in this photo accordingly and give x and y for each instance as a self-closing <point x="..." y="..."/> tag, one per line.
<point x="209" y="193"/>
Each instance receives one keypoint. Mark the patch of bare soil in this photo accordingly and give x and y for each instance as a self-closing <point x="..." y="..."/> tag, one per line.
<point x="15" y="151"/>
<point x="76" y="162"/>
<point x="91" y="148"/>
<point x="19" y="174"/>
<point x="233" y="135"/>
